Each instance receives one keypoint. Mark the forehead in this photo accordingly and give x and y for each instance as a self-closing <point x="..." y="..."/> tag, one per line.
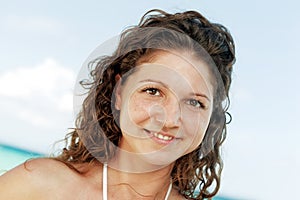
<point x="183" y="63"/>
<point x="178" y="71"/>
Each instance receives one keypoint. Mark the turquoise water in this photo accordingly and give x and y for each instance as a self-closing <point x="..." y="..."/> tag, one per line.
<point x="11" y="157"/>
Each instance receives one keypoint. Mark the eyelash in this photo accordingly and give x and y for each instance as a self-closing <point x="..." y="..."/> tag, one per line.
<point x="151" y="88"/>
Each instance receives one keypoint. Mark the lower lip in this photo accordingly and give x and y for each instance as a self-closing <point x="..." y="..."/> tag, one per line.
<point x="156" y="139"/>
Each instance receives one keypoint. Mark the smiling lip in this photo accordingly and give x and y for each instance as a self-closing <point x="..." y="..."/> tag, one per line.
<point x="160" y="137"/>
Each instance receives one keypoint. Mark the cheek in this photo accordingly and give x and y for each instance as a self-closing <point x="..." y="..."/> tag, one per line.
<point x="195" y="131"/>
<point x="195" y="123"/>
<point x="138" y="109"/>
<point x="195" y="127"/>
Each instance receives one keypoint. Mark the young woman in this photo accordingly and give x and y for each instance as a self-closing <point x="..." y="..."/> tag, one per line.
<point x="152" y="123"/>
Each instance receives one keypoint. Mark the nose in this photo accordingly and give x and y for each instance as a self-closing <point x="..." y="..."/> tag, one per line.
<point x="169" y="115"/>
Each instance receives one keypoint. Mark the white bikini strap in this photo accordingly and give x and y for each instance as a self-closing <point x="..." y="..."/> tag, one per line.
<point x="104" y="181"/>
<point x="169" y="190"/>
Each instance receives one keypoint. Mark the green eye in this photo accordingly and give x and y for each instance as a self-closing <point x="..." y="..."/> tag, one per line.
<point x="195" y="103"/>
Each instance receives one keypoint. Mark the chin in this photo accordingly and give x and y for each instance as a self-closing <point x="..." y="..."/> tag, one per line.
<point x="160" y="159"/>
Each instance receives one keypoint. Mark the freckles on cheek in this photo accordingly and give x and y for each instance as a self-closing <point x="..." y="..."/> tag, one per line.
<point x="138" y="110"/>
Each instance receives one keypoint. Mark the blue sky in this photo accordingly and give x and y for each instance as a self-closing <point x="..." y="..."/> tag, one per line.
<point x="44" y="43"/>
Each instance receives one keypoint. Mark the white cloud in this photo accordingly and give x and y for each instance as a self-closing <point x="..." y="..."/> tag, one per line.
<point x="34" y="118"/>
<point x="39" y="94"/>
<point x="64" y="102"/>
<point x="44" y="79"/>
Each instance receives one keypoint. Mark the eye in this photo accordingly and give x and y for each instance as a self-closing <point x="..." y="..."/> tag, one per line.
<point x="195" y="103"/>
<point x="152" y="91"/>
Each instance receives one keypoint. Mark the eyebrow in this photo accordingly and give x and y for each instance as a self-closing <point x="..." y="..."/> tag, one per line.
<point x="201" y="95"/>
<point x="151" y="80"/>
<point x="194" y="94"/>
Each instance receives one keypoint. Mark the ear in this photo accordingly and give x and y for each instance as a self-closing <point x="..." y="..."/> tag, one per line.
<point x="118" y="101"/>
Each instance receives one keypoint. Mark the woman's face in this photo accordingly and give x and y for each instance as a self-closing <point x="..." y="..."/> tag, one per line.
<point x="165" y="106"/>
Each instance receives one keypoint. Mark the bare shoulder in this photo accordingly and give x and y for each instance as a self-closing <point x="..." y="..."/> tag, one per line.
<point x="40" y="168"/>
<point x="33" y="178"/>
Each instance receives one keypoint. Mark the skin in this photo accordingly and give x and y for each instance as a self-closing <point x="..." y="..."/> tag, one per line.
<point x="170" y="110"/>
<point x="159" y="97"/>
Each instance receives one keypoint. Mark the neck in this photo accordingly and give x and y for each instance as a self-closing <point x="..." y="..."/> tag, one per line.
<point x="136" y="163"/>
<point x="138" y="177"/>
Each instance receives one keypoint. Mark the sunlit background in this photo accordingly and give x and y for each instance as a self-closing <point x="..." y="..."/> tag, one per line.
<point x="44" y="43"/>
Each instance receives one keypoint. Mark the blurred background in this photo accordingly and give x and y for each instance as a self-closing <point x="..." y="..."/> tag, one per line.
<point x="44" y="43"/>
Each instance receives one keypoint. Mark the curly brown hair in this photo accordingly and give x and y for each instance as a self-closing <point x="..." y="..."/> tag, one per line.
<point x="97" y="134"/>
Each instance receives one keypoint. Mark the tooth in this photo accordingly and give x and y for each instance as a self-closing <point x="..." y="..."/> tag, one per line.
<point x="166" y="138"/>
<point x="160" y="136"/>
